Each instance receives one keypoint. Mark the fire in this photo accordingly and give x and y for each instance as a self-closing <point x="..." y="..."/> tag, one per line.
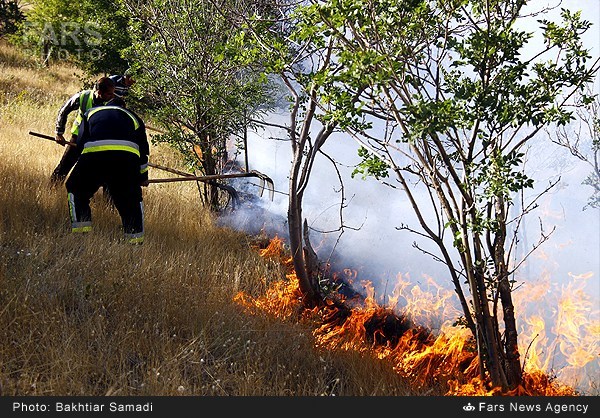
<point x="282" y="300"/>
<point x="571" y="340"/>
<point x="448" y="356"/>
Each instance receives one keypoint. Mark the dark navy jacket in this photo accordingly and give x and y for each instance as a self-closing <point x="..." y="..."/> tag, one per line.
<point x="114" y="128"/>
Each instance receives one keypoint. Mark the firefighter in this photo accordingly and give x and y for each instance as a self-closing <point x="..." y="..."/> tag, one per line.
<point x="114" y="151"/>
<point x="122" y="83"/>
<point x="103" y="91"/>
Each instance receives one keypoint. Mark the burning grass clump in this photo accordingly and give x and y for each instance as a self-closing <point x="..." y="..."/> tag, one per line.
<point x="448" y="360"/>
<point x="385" y="327"/>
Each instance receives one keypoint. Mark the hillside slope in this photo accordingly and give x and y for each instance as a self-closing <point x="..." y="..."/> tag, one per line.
<point x="90" y="315"/>
<point x="197" y="310"/>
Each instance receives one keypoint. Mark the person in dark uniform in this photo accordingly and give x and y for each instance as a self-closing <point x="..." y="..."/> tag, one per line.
<point x="114" y="152"/>
<point x="103" y="91"/>
<point x="123" y="83"/>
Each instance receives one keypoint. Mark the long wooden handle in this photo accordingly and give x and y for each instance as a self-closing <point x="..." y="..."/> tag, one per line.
<point x="199" y="178"/>
<point x="170" y="170"/>
<point x="51" y="138"/>
<point x="187" y="176"/>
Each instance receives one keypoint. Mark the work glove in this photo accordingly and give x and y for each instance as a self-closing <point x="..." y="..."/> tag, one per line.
<point x="60" y="140"/>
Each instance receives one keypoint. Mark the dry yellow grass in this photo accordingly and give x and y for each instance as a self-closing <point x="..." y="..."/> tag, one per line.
<point x="90" y="315"/>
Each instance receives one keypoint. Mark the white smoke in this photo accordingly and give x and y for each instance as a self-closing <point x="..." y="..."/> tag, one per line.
<point x="374" y="247"/>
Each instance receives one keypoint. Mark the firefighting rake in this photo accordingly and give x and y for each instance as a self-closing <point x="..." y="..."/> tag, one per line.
<point x="51" y="138"/>
<point x="265" y="181"/>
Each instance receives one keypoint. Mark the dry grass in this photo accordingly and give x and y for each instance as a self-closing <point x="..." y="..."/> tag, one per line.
<point x="91" y="315"/>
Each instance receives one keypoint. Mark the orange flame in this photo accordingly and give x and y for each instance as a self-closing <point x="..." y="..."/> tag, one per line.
<point x="448" y="357"/>
<point x="574" y="337"/>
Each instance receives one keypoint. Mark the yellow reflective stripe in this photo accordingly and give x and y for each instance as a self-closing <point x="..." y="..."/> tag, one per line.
<point x="98" y="148"/>
<point x="71" y="200"/>
<point x="82" y="109"/>
<point x="119" y="142"/>
<point x="98" y="109"/>
<point x="90" y="102"/>
<point x="76" y="225"/>
<point x="137" y="238"/>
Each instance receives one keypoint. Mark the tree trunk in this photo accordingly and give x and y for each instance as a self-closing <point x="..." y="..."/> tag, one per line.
<point x="490" y="348"/>
<point x="312" y="263"/>
<point x="493" y="348"/>
<point x="512" y="364"/>
<point x="309" y="293"/>
<point x="211" y="164"/>
<point x="47" y="51"/>
<point x="514" y="372"/>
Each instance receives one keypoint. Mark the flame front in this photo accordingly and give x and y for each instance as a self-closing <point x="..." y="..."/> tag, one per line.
<point x="447" y="357"/>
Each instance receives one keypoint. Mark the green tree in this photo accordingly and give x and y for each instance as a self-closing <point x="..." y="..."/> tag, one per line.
<point x="449" y="97"/>
<point x="91" y="34"/>
<point x="296" y="62"/>
<point x="200" y="90"/>
<point x="10" y="16"/>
